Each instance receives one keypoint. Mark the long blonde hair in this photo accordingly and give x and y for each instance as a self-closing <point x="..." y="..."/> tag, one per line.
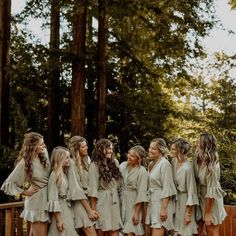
<point x="207" y="152"/>
<point x="74" y="146"/>
<point x="28" y="152"/>
<point x="58" y="156"/>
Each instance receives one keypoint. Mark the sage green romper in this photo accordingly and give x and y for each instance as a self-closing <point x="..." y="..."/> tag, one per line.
<point x="209" y="187"/>
<point x="80" y="215"/>
<point x="108" y="204"/>
<point x="35" y="206"/>
<point x="186" y="196"/>
<point x="134" y="191"/>
<point x="160" y="185"/>
<point x="59" y="201"/>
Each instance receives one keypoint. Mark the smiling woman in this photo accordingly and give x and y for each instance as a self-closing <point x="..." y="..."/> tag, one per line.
<point x="104" y="182"/>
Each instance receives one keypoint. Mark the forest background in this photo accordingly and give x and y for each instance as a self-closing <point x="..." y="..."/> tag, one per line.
<point x="128" y="70"/>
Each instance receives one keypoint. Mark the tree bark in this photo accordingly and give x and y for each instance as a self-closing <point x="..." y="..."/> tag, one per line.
<point x="5" y="18"/>
<point x="101" y="69"/>
<point x="78" y="69"/>
<point x="54" y="77"/>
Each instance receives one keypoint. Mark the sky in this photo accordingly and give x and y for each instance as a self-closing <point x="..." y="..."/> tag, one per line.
<point x="219" y="40"/>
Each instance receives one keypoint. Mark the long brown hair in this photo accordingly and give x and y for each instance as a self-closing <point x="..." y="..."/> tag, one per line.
<point x="28" y="152"/>
<point x="74" y="146"/>
<point x="207" y="152"/>
<point x="107" y="167"/>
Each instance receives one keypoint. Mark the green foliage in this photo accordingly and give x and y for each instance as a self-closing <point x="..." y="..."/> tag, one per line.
<point x="151" y="88"/>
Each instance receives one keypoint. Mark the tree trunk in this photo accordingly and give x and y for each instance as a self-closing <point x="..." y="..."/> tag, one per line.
<point x="54" y="77"/>
<point x="101" y="69"/>
<point x="78" y="69"/>
<point x="5" y="17"/>
<point x="91" y="102"/>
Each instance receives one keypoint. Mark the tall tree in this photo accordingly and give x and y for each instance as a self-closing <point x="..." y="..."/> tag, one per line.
<point x="5" y="15"/>
<point x="54" y="77"/>
<point x="101" y="68"/>
<point x="78" y="68"/>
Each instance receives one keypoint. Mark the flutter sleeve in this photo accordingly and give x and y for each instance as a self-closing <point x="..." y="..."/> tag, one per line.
<point x="214" y="189"/>
<point x="168" y="186"/>
<point x="75" y="190"/>
<point x="191" y="187"/>
<point x="93" y="181"/>
<point x="13" y="184"/>
<point x="142" y="186"/>
<point x="53" y="202"/>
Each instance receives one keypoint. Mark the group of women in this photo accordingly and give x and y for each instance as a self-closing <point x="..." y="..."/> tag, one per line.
<point x="97" y="196"/>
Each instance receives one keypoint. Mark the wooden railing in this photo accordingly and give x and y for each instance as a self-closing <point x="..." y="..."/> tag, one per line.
<point x="228" y="228"/>
<point x="14" y="225"/>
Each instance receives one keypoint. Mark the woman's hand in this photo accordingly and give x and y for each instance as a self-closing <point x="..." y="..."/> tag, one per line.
<point x="93" y="215"/>
<point x="32" y="190"/>
<point x="208" y="219"/>
<point x="60" y="225"/>
<point x="135" y="218"/>
<point x="163" y="214"/>
<point x="187" y="218"/>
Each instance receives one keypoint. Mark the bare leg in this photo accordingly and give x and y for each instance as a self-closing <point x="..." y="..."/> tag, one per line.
<point x="201" y="228"/>
<point x="113" y="233"/>
<point x="212" y="230"/>
<point x="158" y="232"/>
<point x="90" y="231"/>
<point x="100" y="233"/>
<point x="39" y="229"/>
<point x="130" y="234"/>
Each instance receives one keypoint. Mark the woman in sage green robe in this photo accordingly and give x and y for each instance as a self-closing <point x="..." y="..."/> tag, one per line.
<point x="210" y="212"/>
<point x="104" y="180"/>
<point x="161" y="189"/>
<point x="33" y="169"/>
<point x="134" y="191"/>
<point x="186" y="199"/>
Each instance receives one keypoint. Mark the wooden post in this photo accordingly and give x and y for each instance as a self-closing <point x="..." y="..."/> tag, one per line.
<point x="9" y="222"/>
<point x="19" y="223"/>
<point x="1" y="220"/>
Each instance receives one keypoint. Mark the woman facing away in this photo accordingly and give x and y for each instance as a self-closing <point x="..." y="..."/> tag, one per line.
<point x="84" y="216"/>
<point x="184" y="220"/>
<point x="104" y="180"/>
<point x="32" y="166"/>
<point x="161" y="188"/>
<point x="59" y="203"/>
<point x="134" y="190"/>
<point x="210" y="212"/>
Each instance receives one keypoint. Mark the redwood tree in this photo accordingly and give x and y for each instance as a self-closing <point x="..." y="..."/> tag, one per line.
<point x="54" y="77"/>
<point x="78" y="69"/>
<point x="5" y="15"/>
<point x="101" y="69"/>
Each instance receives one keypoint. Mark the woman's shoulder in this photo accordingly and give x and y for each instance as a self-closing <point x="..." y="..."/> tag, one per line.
<point x="123" y="164"/>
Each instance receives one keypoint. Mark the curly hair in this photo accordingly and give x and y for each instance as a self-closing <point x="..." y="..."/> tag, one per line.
<point x="59" y="155"/>
<point x="74" y="146"/>
<point x="141" y="154"/>
<point x="207" y="152"/>
<point x="182" y="145"/>
<point x="107" y="167"/>
<point x="28" y="152"/>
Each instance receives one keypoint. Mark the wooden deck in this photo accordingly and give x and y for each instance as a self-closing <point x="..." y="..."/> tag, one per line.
<point x="12" y="225"/>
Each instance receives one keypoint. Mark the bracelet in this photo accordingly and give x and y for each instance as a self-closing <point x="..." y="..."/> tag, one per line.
<point x="188" y="214"/>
